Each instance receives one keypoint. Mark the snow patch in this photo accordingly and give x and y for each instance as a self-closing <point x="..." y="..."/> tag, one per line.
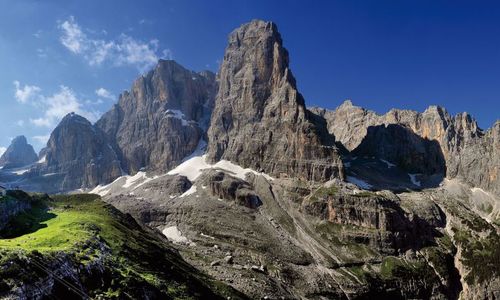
<point x="191" y="191"/>
<point x="20" y="172"/>
<point x="413" y="179"/>
<point x="359" y="182"/>
<point x="100" y="190"/>
<point x="132" y="179"/>
<point x="193" y="167"/>
<point x="177" y="114"/>
<point x="174" y="235"/>
<point x="388" y="163"/>
<point x="42" y="160"/>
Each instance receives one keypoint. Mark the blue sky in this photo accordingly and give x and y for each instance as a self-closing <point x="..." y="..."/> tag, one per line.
<point x="61" y="56"/>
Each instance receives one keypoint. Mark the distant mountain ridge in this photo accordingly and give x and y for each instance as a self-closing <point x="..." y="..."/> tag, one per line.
<point x="260" y="120"/>
<point x="470" y="153"/>
<point x="285" y="202"/>
<point x="18" y="154"/>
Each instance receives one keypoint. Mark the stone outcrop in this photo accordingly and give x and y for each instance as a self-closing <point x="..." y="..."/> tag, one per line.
<point x="470" y="153"/>
<point x="19" y="154"/>
<point x="380" y="221"/>
<point x="260" y="120"/>
<point x="78" y="155"/>
<point x="11" y="207"/>
<point x="162" y="118"/>
<point x="227" y="187"/>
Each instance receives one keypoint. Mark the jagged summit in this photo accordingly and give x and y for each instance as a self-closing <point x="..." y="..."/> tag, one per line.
<point x="162" y="118"/>
<point x="74" y="117"/>
<point x="260" y="120"/>
<point x="459" y="138"/>
<point x="18" y="154"/>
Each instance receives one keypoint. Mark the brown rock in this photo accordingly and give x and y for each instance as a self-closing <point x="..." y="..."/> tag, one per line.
<point x="260" y="120"/>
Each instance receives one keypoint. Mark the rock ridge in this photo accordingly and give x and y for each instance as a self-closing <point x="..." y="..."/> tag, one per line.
<point x="260" y="119"/>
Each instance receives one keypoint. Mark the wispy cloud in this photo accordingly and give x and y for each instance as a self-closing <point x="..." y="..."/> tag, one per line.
<point x="123" y="51"/>
<point x="60" y="104"/>
<point x="104" y="93"/>
<point x="38" y="34"/>
<point x="26" y="93"/>
<point x="53" y="107"/>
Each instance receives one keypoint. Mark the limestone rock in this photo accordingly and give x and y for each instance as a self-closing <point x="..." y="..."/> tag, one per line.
<point x="78" y="156"/>
<point x="18" y="154"/>
<point x="380" y="220"/>
<point x="162" y="118"/>
<point x="469" y="153"/>
<point x="260" y="119"/>
<point x="227" y="187"/>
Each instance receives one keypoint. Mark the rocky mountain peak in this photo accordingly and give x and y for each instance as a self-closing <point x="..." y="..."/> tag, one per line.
<point x="347" y="104"/>
<point x="74" y="118"/>
<point x="18" y="154"/>
<point x="456" y="139"/>
<point x="78" y="155"/>
<point x="162" y="118"/>
<point x="260" y="120"/>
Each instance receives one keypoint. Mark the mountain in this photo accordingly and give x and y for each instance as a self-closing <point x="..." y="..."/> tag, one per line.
<point x="162" y="118"/>
<point x="260" y="119"/>
<point x="78" y="247"/>
<point x="78" y="155"/>
<point x="275" y="229"/>
<point x="467" y="152"/>
<point x="284" y="202"/>
<point x="19" y="154"/>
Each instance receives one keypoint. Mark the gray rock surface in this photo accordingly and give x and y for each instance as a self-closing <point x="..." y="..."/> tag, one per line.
<point x="380" y="221"/>
<point x="225" y="186"/>
<point x="162" y="118"/>
<point x="471" y="154"/>
<point x="18" y="154"/>
<point x="78" y="155"/>
<point x="260" y="119"/>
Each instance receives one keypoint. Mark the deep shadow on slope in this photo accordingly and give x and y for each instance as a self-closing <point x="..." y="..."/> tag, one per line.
<point x="410" y="154"/>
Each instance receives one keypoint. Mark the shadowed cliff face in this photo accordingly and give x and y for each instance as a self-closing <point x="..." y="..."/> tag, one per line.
<point x="77" y="156"/>
<point x="401" y="146"/>
<point x="161" y="119"/>
<point x="19" y="154"/>
<point x="260" y="120"/>
<point x="470" y="154"/>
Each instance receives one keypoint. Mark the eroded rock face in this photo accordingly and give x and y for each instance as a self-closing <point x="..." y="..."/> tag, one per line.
<point x="469" y="153"/>
<point x="78" y="156"/>
<point x="162" y="118"/>
<point x="227" y="187"/>
<point x="380" y="221"/>
<point x="11" y="207"/>
<point x="19" y="154"/>
<point x="260" y="120"/>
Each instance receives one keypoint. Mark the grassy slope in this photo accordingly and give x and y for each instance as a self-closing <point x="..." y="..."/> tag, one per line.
<point x="71" y="224"/>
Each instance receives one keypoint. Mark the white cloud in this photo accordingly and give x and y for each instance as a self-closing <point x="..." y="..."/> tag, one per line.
<point x="54" y="107"/>
<point x="73" y="38"/>
<point x="41" y="53"/>
<point x="2" y="150"/>
<point x="120" y="52"/>
<point x="60" y="104"/>
<point x="26" y="93"/>
<point x="104" y="93"/>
